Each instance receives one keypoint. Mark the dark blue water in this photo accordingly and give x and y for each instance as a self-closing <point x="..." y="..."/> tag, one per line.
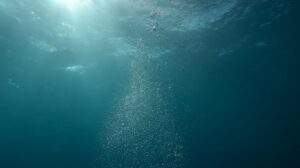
<point x="149" y="84"/>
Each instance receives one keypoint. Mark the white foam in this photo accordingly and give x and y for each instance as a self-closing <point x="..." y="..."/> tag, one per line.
<point x="74" y="68"/>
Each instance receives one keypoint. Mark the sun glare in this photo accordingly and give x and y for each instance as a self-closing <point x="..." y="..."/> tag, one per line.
<point x="74" y="5"/>
<point x="70" y="4"/>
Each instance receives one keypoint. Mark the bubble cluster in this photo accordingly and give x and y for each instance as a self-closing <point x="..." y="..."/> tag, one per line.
<point x="141" y="130"/>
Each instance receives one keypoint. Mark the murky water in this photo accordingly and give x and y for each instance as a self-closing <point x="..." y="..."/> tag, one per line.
<point x="149" y="83"/>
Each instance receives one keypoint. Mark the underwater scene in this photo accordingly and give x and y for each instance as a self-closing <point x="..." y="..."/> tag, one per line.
<point x="149" y="84"/>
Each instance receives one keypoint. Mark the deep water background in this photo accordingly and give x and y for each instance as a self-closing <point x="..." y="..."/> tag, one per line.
<point x="228" y="69"/>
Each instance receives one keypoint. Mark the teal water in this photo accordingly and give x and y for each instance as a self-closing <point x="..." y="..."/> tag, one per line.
<point x="149" y="84"/>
